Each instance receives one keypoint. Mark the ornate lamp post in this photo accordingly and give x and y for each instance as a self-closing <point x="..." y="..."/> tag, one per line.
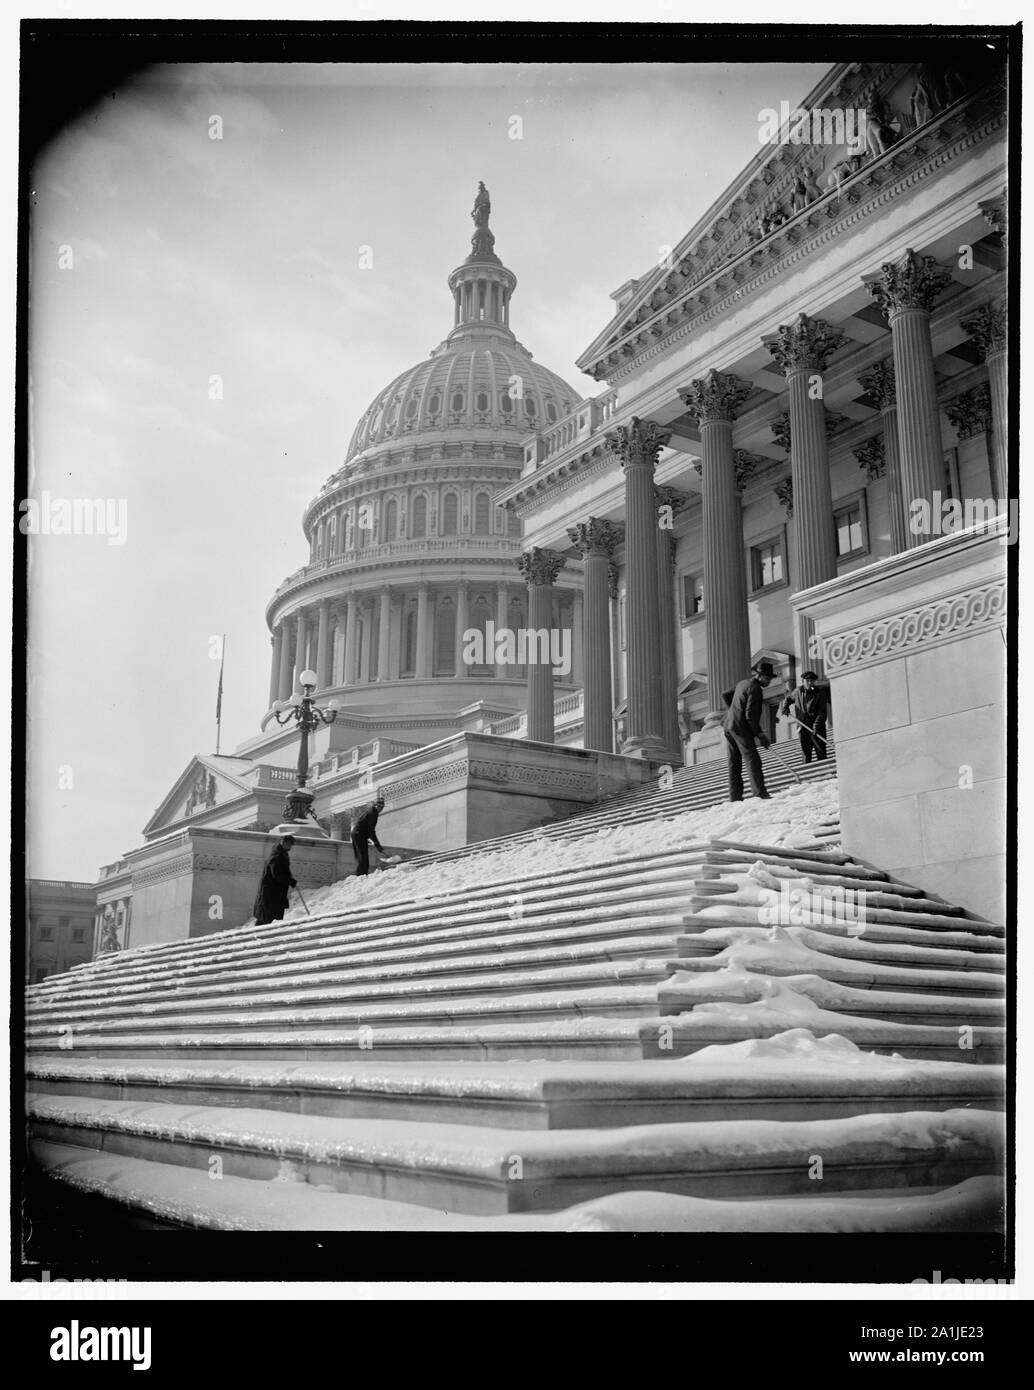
<point x="309" y="717"/>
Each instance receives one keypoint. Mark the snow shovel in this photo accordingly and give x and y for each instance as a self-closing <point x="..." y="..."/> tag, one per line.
<point x="782" y="763"/>
<point x="304" y="903"/>
<point x="804" y="725"/>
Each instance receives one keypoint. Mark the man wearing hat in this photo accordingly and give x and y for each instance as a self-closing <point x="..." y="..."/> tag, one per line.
<point x="809" y="705"/>
<point x="743" y="731"/>
<point x="364" y="829"/>
<point x="271" y="901"/>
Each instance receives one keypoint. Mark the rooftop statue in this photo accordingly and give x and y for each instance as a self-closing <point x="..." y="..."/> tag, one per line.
<point x="482" y="241"/>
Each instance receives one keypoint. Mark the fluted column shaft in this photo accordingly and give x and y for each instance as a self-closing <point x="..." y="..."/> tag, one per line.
<point x="714" y="400"/>
<point x="284" y="682"/>
<point x="906" y="291"/>
<point x="322" y="647"/>
<point x="812" y="491"/>
<point x="669" y="666"/>
<point x="423" y="633"/>
<point x="988" y="328"/>
<point x="638" y="445"/>
<point x="384" y="636"/>
<point x="726" y="620"/>
<point x="597" y="540"/>
<point x="274" y="665"/>
<point x="366" y="654"/>
<point x="540" y="568"/>
<point x="895" y="497"/>
<point x="351" y="627"/>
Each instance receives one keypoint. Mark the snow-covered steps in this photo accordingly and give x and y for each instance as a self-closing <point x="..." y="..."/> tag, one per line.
<point x="479" y="1169"/>
<point x="176" y="1198"/>
<point x="549" y="1095"/>
<point x="849" y="941"/>
<point x="624" y="1024"/>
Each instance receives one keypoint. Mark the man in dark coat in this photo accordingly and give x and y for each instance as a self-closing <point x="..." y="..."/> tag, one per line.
<point x="364" y="829"/>
<point x="271" y="901"/>
<point x="809" y="705"/>
<point x="743" y="731"/>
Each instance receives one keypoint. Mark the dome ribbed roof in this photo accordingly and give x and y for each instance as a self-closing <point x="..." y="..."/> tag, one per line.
<point x="466" y="386"/>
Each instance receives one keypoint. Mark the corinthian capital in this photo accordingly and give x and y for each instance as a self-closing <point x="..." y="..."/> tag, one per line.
<point x="638" y="443"/>
<point x="716" y="396"/>
<point x="540" y="566"/>
<point x="914" y="282"/>
<point x="988" y="327"/>
<point x="672" y="497"/>
<point x="970" y="412"/>
<point x="596" y="537"/>
<point x="808" y="343"/>
<point x="879" y="383"/>
<point x="871" y="457"/>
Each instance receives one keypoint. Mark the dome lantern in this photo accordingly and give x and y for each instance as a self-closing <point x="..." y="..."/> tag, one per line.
<point x="482" y="286"/>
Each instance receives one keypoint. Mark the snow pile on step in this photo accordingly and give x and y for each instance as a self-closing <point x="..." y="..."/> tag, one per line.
<point x="788" y="819"/>
<point x="797" y="1046"/>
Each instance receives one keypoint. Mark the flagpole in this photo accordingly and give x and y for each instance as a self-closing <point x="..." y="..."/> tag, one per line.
<point x="219" y="699"/>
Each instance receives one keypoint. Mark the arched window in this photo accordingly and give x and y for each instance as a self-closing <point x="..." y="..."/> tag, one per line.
<point x="445" y="638"/>
<point x="450" y="515"/>
<point x="319" y="541"/>
<point x="457" y="400"/>
<point x="483" y="514"/>
<point x="482" y="401"/>
<point x="391" y="520"/>
<point x="506" y="403"/>
<point x="419" y="527"/>
<point x="411" y="407"/>
<point x="529" y="407"/>
<point x="434" y="404"/>
<point x="409" y="642"/>
<point x="551" y="412"/>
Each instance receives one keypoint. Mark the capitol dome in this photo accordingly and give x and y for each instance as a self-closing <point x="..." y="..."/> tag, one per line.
<point x="408" y="549"/>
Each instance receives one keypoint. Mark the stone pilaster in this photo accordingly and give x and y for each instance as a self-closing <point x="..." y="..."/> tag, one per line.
<point x="322" y="647"/>
<point x="988" y="328"/>
<point x="637" y="445"/>
<point x="596" y="540"/>
<point x="879" y="384"/>
<point x="714" y="400"/>
<point x="540" y="568"/>
<point x="906" y="292"/>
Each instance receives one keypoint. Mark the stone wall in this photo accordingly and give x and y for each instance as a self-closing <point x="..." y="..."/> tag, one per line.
<point x="915" y="653"/>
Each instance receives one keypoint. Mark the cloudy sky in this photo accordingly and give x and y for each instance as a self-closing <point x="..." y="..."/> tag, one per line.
<point x="162" y="258"/>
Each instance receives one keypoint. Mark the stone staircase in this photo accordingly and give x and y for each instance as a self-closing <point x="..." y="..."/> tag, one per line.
<point x="662" y="1040"/>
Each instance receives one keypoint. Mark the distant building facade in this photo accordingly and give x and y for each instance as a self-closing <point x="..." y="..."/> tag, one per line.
<point x="62" y="921"/>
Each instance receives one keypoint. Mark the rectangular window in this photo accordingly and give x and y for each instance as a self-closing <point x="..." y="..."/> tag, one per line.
<point x="78" y="934"/>
<point x="46" y="933"/>
<point x="767" y="564"/>
<point x="851" y="527"/>
<point x="692" y="596"/>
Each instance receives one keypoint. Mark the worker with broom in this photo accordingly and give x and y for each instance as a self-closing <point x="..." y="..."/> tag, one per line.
<point x="743" y="731"/>
<point x="808" y="707"/>
<point x="271" y="901"/>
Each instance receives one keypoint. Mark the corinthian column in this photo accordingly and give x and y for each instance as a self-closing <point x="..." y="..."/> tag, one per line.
<point x="669" y="497"/>
<point x="540" y="569"/>
<point x="906" y="292"/>
<point x="879" y="384"/>
<point x="274" y="665"/>
<point x="637" y="446"/>
<point x="322" y="646"/>
<point x="714" y="400"/>
<point x="802" y="350"/>
<point x="597" y="540"/>
<point x="384" y="636"/>
<point x="988" y="328"/>
<point x="351" y="665"/>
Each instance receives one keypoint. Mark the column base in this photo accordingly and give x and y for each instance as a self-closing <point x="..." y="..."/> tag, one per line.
<point x="709" y="744"/>
<point x="647" y="746"/>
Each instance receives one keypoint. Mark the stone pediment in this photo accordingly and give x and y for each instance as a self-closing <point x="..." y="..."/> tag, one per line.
<point x="791" y="188"/>
<point x="205" y="782"/>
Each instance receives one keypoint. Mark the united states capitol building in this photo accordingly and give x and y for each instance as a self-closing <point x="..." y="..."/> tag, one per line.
<point x="736" y="477"/>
